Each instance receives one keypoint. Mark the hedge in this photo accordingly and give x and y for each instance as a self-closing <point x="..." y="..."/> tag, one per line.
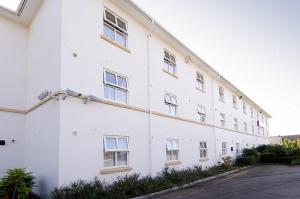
<point x="246" y="160"/>
<point x="268" y="157"/>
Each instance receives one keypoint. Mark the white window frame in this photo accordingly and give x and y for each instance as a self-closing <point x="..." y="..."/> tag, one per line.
<point x="170" y="62"/>
<point x="115" y="151"/>
<point x="251" y="112"/>
<point x="171" y="103"/>
<point x="221" y="94"/>
<point x="202" y="148"/>
<point x="201" y="113"/>
<point x="234" y="101"/>
<point x="236" y="124"/>
<point x="224" y="148"/>
<point x="244" y="108"/>
<point x="245" y="127"/>
<point x="172" y="149"/>
<point x="200" y="81"/>
<point x="222" y="120"/>
<point x="115" y="86"/>
<point x="115" y="26"/>
<point x="237" y="149"/>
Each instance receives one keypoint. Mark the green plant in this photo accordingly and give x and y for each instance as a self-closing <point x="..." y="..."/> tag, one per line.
<point x="268" y="157"/>
<point x="295" y="161"/>
<point x="250" y="152"/>
<point x="16" y="184"/>
<point x="227" y="162"/>
<point x="295" y="151"/>
<point x="246" y="160"/>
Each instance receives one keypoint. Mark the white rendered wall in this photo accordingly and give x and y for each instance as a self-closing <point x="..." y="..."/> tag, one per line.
<point x="13" y="56"/>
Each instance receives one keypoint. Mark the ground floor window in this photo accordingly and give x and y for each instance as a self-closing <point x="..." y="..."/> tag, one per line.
<point x="116" y="151"/>
<point x="237" y="149"/>
<point x="224" y="148"/>
<point x="172" y="150"/>
<point x="203" y="149"/>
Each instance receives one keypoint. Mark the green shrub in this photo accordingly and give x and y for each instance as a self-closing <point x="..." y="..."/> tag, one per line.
<point x="261" y="148"/>
<point x="285" y="160"/>
<point x="268" y="157"/>
<point x="249" y="152"/>
<point x="227" y="162"/>
<point x="246" y="160"/>
<point x="134" y="185"/>
<point x="295" y="161"/>
<point x="16" y="184"/>
<point x="294" y="151"/>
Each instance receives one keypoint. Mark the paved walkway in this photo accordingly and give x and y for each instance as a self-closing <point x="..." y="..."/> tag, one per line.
<point x="262" y="182"/>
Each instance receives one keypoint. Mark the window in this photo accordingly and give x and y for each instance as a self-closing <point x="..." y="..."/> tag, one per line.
<point x="252" y="128"/>
<point x="251" y="111"/>
<point x="222" y="120"/>
<point x="200" y="81"/>
<point x="221" y="93"/>
<point x="201" y="113"/>
<point x="244" y="108"/>
<point x="237" y="149"/>
<point x="245" y="127"/>
<point x="247" y="145"/>
<point x="224" y="148"/>
<point x="115" y="28"/>
<point x="203" y="149"/>
<point x="169" y="63"/>
<point x="116" y="150"/>
<point x="115" y="87"/>
<point x="234" y="102"/>
<point x="172" y="150"/>
<point x="171" y="103"/>
<point x="235" y="124"/>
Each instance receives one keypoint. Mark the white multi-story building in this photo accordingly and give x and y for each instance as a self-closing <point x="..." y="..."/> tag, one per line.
<point x="98" y="88"/>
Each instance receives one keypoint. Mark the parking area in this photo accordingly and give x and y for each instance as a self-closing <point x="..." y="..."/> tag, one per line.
<point x="265" y="181"/>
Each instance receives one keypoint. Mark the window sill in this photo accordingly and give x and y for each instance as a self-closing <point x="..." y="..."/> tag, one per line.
<point x="170" y="74"/>
<point x="171" y="163"/>
<point x="203" y="91"/>
<point x="115" y="170"/>
<point x="115" y="43"/>
<point x="203" y="159"/>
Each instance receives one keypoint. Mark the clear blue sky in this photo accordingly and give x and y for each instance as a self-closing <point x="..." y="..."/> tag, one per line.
<point x="255" y="44"/>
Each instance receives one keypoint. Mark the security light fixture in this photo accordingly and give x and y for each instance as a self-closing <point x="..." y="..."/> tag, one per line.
<point x="44" y="94"/>
<point x="93" y="98"/>
<point x="240" y="97"/>
<point x="73" y="93"/>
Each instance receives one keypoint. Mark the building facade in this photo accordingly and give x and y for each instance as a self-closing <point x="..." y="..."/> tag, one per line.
<point x="99" y="88"/>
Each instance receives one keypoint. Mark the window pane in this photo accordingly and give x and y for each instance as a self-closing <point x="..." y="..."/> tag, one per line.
<point x="121" y="39"/>
<point x="172" y="59"/>
<point x="110" y="17"/>
<point x="175" y="145"/>
<point x="111" y="143"/>
<point x="109" y="159"/>
<point x="122" y="82"/>
<point x="121" y="96"/>
<point x="169" y="145"/>
<point x="109" y="32"/>
<point x="167" y="55"/>
<point x="174" y="100"/>
<point x="172" y="110"/>
<point x="122" y="143"/>
<point x="168" y="99"/>
<point x="121" y="24"/>
<point x="110" y="78"/>
<point x="172" y="69"/>
<point x="169" y="155"/>
<point x="174" y="155"/>
<point x="166" y="66"/>
<point x="204" y="144"/>
<point x="122" y="158"/>
<point x="109" y="93"/>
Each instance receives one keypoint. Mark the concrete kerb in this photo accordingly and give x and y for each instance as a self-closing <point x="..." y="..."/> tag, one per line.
<point x="159" y="193"/>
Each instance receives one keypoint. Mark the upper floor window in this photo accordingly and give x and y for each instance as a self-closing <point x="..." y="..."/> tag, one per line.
<point x="234" y="102"/>
<point x="251" y="112"/>
<point x="115" y="28"/>
<point x="203" y="149"/>
<point x="172" y="150"/>
<point x="201" y="113"/>
<point x="235" y="124"/>
<point x="200" y="81"/>
<point x="169" y="63"/>
<point x="245" y="127"/>
<point x="115" y="87"/>
<point x="116" y="150"/>
<point x="252" y="128"/>
<point x="221" y="93"/>
<point x="244" y="108"/>
<point x="171" y="103"/>
<point x="222" y="120"/>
